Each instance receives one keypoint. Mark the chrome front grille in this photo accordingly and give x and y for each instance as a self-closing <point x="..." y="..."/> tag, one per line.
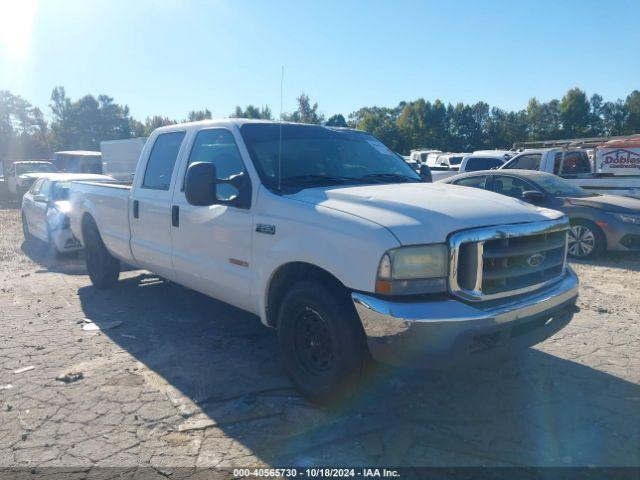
<point x="507" y="260"/>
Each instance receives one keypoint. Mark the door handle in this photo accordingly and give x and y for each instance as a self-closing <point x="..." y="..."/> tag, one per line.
<point x="175" y="216"/>
<point x="136" y="209"/>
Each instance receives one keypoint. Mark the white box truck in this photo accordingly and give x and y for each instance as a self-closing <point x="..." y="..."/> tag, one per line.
<point x="120" y="157"/>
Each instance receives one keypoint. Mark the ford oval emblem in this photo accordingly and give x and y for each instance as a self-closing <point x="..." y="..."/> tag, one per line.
<point x="536" y="259"/>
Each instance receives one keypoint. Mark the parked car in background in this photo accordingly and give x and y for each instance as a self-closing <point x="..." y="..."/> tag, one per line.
<point x="598" y="222"/>
<point x="22" y="174"/>
<point x="46" y="208"/>
<point x="472" y="163"/>
<point x="614" y="170"/>
<point x="450" y="161"/>
<point x="78" y="161"/>
<point x="421" y="155"/>
<point x="120" y="157"/>
<point x="3" y="184"/>
<point x="332" y="239"/>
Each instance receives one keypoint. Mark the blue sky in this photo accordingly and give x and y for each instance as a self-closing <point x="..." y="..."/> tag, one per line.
<point x="168" y="57"/>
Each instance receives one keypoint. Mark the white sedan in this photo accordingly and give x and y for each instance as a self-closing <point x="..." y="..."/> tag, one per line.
<point x="45" y="209"/>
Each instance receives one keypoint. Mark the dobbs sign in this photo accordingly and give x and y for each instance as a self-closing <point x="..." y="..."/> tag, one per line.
<point x="618" y="159"/>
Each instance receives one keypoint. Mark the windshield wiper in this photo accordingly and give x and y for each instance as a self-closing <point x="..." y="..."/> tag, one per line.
<point x="390" y="177"/>
<point x="314" y="180"/>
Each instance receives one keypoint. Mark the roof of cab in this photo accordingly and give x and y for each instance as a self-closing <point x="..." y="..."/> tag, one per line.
<point x="236" y="122"/>
<point x="67" y="177"/>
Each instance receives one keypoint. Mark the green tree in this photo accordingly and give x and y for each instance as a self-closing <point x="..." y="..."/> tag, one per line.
<point x="252" y="112"/>
<point x="23" y="130"/>
<point x="157" y="121"/>
<point x="198" y="115"/>
<point x="83" y="124"/>
<point x="632" y="110"/>
<point x="575" y="113"/>
<point x="336" y="121"/>
<point x="306" y="112"/>
<point x="543" y="120"/>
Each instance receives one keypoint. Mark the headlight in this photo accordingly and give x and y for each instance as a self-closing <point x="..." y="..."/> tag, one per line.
<point x="413" y="270"/>
<point x="628" y="218"/>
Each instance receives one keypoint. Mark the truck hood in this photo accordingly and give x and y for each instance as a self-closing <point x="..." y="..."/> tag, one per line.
<point x="425" y="212"/>
<point x="610" y="203"/>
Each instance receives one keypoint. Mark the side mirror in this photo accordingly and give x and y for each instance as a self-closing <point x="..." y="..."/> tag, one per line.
<point x="425" y="173"/>
<point x="533" y="196"/>
<point x="200" y="184"/>
<point x="39" y="198"/>
<point x="203" y="188"/>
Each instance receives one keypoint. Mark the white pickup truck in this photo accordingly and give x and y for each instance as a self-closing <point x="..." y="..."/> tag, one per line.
<point x="331" y="238"/>
<point x="597" y="175"/>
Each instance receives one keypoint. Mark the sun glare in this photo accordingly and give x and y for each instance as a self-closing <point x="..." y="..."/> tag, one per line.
<point x="16" y="23"/>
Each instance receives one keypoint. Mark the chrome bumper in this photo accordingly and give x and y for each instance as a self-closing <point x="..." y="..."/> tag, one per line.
<point x="444" y="331"/>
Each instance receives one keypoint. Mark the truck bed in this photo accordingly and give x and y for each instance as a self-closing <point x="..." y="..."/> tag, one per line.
<point x="108" y="204"/>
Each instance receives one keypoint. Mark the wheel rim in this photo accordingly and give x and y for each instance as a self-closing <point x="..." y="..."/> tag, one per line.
<point x="313" y="343"/>
<point x="582" y="241"/>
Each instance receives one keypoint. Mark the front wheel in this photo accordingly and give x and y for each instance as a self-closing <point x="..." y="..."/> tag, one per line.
<point x="322" y="343"/>
<point x="103" y="268"/>
<point x="586" y="240"/>
<point x="25" y="229"/>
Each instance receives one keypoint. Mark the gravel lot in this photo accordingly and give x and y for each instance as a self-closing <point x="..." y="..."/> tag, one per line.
<point x="185" y="380"/>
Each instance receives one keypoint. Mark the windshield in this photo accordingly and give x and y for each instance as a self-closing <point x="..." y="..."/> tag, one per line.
<point x="455" y="160"/>
<point x="558" y="187"/>
<point x="22" y="168"/>
<point x="313" y="155"/>
<point x="61" y="191"/>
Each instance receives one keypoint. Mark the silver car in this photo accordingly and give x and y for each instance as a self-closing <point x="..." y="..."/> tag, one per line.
<point x="45" y="209"/>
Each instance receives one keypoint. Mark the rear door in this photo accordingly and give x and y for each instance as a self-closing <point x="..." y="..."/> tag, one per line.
<point x="150" y="206"/>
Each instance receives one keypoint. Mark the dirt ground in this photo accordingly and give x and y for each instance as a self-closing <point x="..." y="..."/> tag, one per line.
<point x="185" y="380"/>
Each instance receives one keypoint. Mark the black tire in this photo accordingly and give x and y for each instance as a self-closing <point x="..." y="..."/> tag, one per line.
<point x="103" y="268"/>
<point x="586" y="240"/>
<point x="25" y="229"/>
<point x="322" y="342"/>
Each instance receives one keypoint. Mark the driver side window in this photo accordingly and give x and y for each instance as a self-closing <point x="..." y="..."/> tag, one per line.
<point x="218" y="146"/>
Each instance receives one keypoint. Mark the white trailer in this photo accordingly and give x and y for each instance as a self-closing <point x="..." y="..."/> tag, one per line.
<point x="120" y="157"/>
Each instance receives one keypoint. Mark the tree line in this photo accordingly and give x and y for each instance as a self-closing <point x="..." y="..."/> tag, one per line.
<point x="83" y="123"/>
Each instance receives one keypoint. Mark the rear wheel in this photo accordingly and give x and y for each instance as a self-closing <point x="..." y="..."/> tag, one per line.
<point x="586" y="240"/>
<point x="322" y="342"/>
<point x="103" y="268"/>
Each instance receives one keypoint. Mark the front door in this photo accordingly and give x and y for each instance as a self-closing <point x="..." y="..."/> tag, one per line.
<point x="150" y="206"/>
<point x="212" y="245"/>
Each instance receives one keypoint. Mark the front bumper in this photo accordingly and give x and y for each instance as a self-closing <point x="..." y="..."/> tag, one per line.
<point x="448" y="331"/>
<point x="622" y="236"/>
<point x="65" y="241"/>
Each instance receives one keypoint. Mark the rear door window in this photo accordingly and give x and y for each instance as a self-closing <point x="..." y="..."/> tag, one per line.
<point x="157" y="175"/>
<point x="575" y="163"/>
<point x="475" y="182"/>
